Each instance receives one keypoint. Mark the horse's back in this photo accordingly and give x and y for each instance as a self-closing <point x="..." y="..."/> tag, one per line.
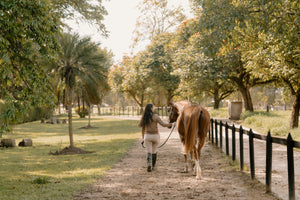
<point x="195" y="120"/>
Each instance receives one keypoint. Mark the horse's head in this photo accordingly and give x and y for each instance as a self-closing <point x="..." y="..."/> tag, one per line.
<point x="173" y="113"/>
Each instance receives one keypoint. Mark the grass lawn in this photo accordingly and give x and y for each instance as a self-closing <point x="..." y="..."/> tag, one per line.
<point x="261" y="121"/>
<point x="32" y="173"/>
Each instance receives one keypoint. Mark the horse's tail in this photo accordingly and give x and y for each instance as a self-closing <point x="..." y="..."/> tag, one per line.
<point x="191" y="129"/>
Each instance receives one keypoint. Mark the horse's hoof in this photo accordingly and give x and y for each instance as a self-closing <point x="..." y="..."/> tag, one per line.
<point x="198" y="177"/>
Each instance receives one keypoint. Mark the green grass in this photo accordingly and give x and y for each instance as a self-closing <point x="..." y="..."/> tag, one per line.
<point x="261" y="121"/>
<point x="32" y="173"/>
<point x="219" y="113"/>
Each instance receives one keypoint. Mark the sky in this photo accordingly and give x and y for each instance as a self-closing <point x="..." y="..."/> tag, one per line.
<point x="120" y="22"/>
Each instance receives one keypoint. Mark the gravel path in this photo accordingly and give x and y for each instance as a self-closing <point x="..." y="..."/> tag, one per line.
<point x="128" y="179"/>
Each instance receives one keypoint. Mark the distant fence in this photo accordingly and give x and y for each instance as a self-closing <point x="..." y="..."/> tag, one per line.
<point x="216" y="137"/>
<point x="129" y="111"/>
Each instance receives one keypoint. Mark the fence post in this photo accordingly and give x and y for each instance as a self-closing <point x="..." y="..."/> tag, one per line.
<point x="251" y="154"/>
<point x="221" y="135"/>
<point x="233" y="142"/>
<point x="166" y="110"/>
<point x="212" y="131"/>
<point x="226" y="139"/>
<point x="268" y="162"/>
<point x="241" y="148"/>
<point x="290" y="157"/>
<point x="216" y="131"/>
<point x="209" y="131"/>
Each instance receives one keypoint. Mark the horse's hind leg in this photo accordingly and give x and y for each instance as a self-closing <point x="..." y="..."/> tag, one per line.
<point x="186" y="168"/>
<point x="197" y="159"/>
<point x="198" y="169"/>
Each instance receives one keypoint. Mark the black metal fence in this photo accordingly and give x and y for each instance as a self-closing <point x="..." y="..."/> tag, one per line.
<point x="216" y="137"/>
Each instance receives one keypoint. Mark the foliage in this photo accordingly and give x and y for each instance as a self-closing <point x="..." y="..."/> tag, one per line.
<point x="28" y="35"/>
<point x="257" y="42"/>
<point x="131" y="77"/>
<point x="40" y="180"/>
<point x="159" y="63"/>
<point x="82" y="112"/>
<point x="66" y="174"/>
<point x="201" y="75"/>
<point x="156" y="18"/>
<point x="28" y="38"/>
<point x="272" y="47"/>
<point x="90" y="11"/>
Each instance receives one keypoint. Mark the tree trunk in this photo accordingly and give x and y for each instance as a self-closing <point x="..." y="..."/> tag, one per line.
<point x="245" y="91"/>
<point x="89" y="124"/>
<point x="58" y="103"/>
<point x="70" y="117"/>
<point x="294" y="123"/>
<point x="216" y="100"/>
<point x="83" y="107"/>
<point x="78" y="101"/>
<point x="99" y="109"/>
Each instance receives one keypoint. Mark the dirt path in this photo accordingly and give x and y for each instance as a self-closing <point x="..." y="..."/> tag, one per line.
<point x="129" y="179"/>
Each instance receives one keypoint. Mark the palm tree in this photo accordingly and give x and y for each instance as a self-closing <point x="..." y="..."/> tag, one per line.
<point x="79" y="61"/>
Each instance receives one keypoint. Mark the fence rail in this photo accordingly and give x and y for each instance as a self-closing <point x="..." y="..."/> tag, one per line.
<point x="216" y="137"/>
<point x="130" y="111"/>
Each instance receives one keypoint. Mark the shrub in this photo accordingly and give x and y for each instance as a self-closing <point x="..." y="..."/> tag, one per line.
<point x="36" y="114"/>
<point x="40" y="180"/>
<point x="82" y="113"/>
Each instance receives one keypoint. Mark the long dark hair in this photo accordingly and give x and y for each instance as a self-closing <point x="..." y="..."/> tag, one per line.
<point x="147" y="115"/>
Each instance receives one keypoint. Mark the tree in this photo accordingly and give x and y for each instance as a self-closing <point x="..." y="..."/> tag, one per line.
<point x="79" y="60"/>
<point x="220" y="25"/>
<point x="94" y="93"/>
<point x="28" y="31"/>
<point x="131" y="77"/>
<point x="156" y="18"/>
<point x="159" y="62"/>
<point x="200" y="74"/>
<point x="272" y="48"/>
<point x="28" y="37"/>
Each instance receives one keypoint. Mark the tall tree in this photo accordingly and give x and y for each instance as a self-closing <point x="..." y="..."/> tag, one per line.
<point x="159" y="62"/>
<point x="131" y="77"/>
<point x="79" y="60"/>
<point x="28" y="35"/>
<point x="156" y="18"/>
<point x="200" y="74"/>
<point x="220" y="22"/>
<point x="28" y="31"/>
<point x="272" y="47"/>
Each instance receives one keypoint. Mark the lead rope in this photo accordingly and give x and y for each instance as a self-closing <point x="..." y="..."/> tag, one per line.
<point x="165" y="140"/>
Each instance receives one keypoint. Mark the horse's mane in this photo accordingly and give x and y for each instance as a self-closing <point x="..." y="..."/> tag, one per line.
<point x="180" y="104"/>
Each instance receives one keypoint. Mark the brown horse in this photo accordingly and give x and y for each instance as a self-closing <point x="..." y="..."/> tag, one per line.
<point x="193" y="125"/>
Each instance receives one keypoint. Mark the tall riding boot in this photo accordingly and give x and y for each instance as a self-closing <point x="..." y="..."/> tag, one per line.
<point x="148" y="162"/>
<point x="154" y="160"/>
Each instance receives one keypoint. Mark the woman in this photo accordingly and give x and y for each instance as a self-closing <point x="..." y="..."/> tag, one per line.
<point x="150" y="133"/>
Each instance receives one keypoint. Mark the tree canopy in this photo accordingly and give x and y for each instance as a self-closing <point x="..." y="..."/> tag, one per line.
<point x="28" y="31"/>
